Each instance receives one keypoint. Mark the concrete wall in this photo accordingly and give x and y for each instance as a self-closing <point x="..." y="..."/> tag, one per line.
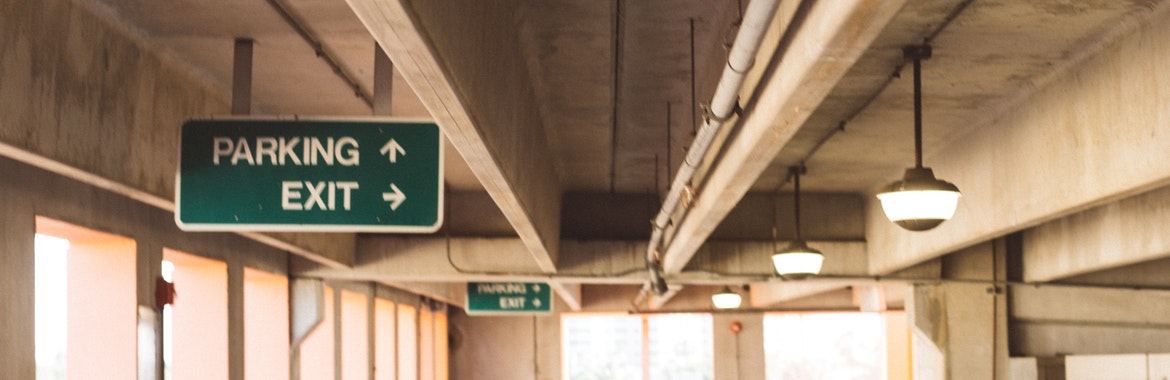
<point x="1132" y="366"/>
<point x="1063" y="320"/>
<point x="960" y="332"/>
<point x="88" y="99"/>
<point x="82" y="93"/>
<point x="1100" y="128"/>
<point x="33" y="192"/>
<point x="498" y="347"/>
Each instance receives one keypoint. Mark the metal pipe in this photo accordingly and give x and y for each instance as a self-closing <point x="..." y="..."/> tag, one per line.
<point x="740" y="60"/>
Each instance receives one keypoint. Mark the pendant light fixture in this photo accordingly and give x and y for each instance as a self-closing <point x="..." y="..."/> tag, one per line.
<point x="919" y="201"/>
<point x="798" y="260"/>
<point x="726" y="299"/>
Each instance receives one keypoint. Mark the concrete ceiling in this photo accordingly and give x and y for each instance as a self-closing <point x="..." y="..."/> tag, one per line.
<point x="991" y="56"/>
<point x="619" y="84"/>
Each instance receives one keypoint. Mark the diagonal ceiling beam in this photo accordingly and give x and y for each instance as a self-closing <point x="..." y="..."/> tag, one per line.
<point x="480" y="94"/>
<point x="830" y="40"/>
<point x="570" y="292"/>
<point x="997" y="163"/>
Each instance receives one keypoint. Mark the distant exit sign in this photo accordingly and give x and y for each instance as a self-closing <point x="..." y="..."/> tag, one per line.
<point x="309" y="175"/>
<point x="508" y="298"/>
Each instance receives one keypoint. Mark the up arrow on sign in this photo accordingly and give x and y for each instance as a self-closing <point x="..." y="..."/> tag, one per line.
<point x="309" y="175"/>
<point x="392" y="150"/>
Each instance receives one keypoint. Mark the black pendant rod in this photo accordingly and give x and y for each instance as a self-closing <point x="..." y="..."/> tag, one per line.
<point x="917" y="112"/>
<point x="917" y="54"/>
<point x="796" y="200"/>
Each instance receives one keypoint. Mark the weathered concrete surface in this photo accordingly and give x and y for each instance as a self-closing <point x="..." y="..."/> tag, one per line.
<point x="1051" y="320"/>
<point x="828" y="43"/>
<point x="17" y="226"/>
<point x="42" y="194"/>
<point x="81" y="93"/>
<point x="461" y="259"/>
<point x="503" y="347"/>
<point x="463" y="60"/>
<point x="1099" y="128"/>
<point x="964" y="323"/>
<point x="80" y="97"/>
<point x="1125" y="232"/>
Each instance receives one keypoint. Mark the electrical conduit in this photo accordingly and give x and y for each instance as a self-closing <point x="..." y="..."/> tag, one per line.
<point x="756" y="19"/>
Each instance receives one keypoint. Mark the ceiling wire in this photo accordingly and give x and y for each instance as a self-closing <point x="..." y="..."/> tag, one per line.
<point x="694" y="105"/>
<point x="321" y="51"/>
<point x="669" y="158"/>
<point x="617" y="75"/>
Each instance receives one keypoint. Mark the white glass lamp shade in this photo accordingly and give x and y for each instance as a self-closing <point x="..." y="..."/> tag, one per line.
<point x="798" y="261"/>
<point x="726" y="299"/>
<point x="919" y="201"/>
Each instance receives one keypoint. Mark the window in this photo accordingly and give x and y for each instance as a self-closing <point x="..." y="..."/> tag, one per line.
<point x="195" y="331"/>
<point x="265" y="325"/>
<point x="441" y="349"/>
<point x="665" y="346"/>
<point x="407" y="342"/>
<point x="317" y="348"/>
<point x="426" y="343"/>
<point x="825" y="346"/>
<point x="678" y="355"/>
<point x="52" y="327"/>
<point x="355" y="343"/>
<point x="384" y="328"/>
<point x="86" y="305"/>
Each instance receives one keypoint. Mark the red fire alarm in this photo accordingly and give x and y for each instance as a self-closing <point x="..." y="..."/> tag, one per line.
<point x="164" y="293"/>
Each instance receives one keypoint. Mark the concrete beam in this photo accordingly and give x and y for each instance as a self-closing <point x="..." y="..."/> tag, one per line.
<point x="1100" y="129"/>
<point x="764" y="295"/>
<point x="959" y="331"/>
<point x="480" y="94"/>
<point x="657" y="302"/>
<point x="830" y="40"/>
<point x="1051" y="320"/>
<point x="1120" y="233"/>
<point x="83" y="126"/>
<point x="754" y="257"/>
<point x="569" y="292"/>
<point x="450" y="293"/>
<point x="390" y="258"/>
<point x="1086" y="305"/>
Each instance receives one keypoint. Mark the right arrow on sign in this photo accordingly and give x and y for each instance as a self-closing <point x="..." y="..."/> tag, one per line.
<point x="392" y="149"/>
<point x="395" y="196"/>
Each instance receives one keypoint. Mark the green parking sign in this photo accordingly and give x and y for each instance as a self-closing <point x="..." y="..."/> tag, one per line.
<point x="377" y="175"/>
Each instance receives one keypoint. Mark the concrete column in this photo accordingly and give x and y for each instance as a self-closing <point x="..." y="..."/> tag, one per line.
<point x="372" y="331"/>
<point x="738" y="355"/>
<point x="235" y="287"/>
<point x="959" y="332"/>
<point x="383" y="82"/>
<point x="149" y="268"/>
<point x="242" y="77"/>
<point x="959" y="328"/>
<point x="496" y="348"/>
<point x="338" y="361"/>
<point x="548" y="343"/>
<point x="306" y="305"/>
<point x="17" y="227"/>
